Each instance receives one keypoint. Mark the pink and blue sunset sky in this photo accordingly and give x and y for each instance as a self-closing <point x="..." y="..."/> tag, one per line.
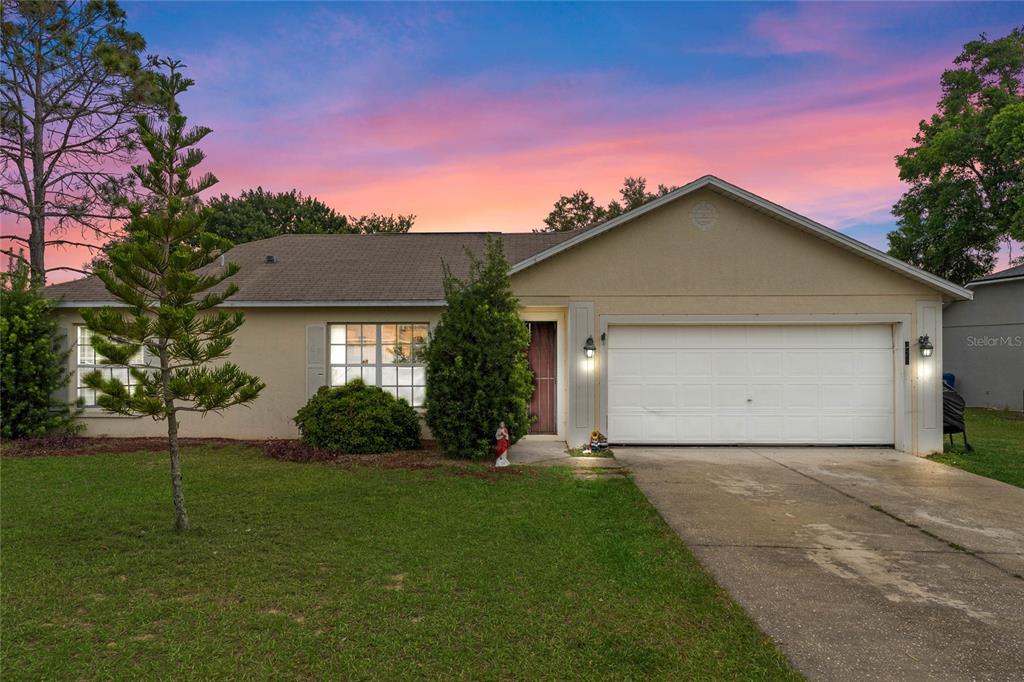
<point x="478" y="116"/>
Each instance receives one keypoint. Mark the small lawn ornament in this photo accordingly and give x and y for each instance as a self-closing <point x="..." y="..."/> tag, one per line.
<point x="501" y="447"/>
<point x="598" y="442"/>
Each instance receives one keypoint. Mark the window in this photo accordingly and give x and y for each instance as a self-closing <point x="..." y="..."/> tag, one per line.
<point x="387" y="355"/>
<point x="89" y="360"/>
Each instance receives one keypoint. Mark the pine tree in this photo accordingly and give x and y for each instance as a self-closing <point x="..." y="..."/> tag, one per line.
<point x="33" y="366"/>
<point x="477" y="372"/>
<point x="171" y="289"/>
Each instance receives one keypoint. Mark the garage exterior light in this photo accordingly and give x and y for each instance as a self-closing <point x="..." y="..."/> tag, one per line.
<point x="589" y="348"/>
<point x="924" y="344"/>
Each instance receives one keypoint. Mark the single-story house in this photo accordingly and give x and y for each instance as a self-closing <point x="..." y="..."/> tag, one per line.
<point x="713" y="317"/>
<point x="985" y="341"/>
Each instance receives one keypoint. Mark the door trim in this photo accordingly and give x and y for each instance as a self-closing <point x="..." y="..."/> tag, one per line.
<point x="902" y="404"/>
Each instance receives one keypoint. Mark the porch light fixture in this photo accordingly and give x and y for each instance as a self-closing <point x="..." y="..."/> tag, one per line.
<point x="924" y="344"/>
<point x="589" y="348"/>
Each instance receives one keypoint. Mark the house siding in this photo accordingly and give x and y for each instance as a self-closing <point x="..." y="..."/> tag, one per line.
<point x="985" y="345"/>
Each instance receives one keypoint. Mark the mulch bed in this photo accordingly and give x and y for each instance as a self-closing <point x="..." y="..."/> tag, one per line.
<point x="71" y="446"/>
<point x="429" y="457"/>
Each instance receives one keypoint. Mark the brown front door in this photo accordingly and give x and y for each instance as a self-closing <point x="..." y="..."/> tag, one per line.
<point x="541" y="355"/>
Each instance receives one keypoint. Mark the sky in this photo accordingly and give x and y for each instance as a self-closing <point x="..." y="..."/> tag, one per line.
<point x="479" y="116"/>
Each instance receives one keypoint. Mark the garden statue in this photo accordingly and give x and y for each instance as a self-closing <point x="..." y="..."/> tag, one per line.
<point x="501" y="447"/>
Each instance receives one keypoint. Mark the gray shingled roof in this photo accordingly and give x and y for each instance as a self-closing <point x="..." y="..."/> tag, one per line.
<point x="1016" y="271"/>
<point x="313" y="268"/>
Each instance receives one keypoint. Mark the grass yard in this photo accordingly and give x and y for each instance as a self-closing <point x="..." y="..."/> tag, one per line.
<point x="321" y="571"/>
<point x="998" y="440"/>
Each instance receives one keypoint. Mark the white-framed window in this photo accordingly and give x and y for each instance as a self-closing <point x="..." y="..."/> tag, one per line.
<point x="89" y="360"/>
<point x="386" y="354"/>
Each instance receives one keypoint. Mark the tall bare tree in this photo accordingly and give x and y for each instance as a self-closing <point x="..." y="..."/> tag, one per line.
<point x="72" y="79"/>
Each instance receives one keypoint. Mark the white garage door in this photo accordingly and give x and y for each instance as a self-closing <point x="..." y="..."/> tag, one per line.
<point x="757" y="384"/>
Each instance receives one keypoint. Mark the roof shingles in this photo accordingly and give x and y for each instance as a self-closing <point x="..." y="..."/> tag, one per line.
<point x="311" y="268"/>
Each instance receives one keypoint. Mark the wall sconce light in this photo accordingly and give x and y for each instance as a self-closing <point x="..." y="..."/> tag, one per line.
<point x="589" y="348"/>
<point x="924" y="344"/>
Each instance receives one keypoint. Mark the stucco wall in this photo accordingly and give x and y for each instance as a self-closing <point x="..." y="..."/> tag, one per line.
<point x="747" y="263"/>
<point x="272" y="345"/>
<point x="985" y="345"/>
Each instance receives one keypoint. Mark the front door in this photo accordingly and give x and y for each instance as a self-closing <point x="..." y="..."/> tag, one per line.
<point x="541" y="356"/>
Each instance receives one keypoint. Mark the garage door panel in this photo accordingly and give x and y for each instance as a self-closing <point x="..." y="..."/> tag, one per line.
<point x="692" y="364"/>
<point x="660" y="428"/>
<point x="729" y="428"/>
<point x="755" y="384"/>
<point x="797" y="396"/>
<point x="629" y="427"/>
<point x="802" y="363"/>
<point x="627" y="363"/>
<point x="624" y="396"/>
<point x="660" y="397"/>
<point x="766" y="364"/>
<point x="695" y="395"/>
<point x="765" y="429"/>
<point x="731" y="364"/>
<point x="800" y="429"/>
<point x="840" y="364"/>
<point x="766" y="396"/>
<point x="729" y="395"/>
<point x="656" y="363"/>
<point x="874" y="363"/>
<point x="696" y="429"/>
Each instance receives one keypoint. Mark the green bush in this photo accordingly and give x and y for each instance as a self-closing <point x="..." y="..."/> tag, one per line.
<point x="477" y="372"/>
<point x="33" y="367"/>
<point x="358" y="419"/>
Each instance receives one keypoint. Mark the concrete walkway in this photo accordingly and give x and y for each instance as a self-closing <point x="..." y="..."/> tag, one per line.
<point x="535" y="452"/>
<point x="861" y="564"/>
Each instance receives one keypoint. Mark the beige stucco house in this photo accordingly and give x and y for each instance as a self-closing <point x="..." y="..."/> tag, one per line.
<point x="715" y="317"/>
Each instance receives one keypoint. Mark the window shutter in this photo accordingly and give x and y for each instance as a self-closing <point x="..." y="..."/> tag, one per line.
<point x="316" y="338"/>
<point x="61" y="344"/>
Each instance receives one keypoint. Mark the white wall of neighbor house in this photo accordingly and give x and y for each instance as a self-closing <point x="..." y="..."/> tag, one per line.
<point x="273" y="345"/>
<point x="745" y="264"/>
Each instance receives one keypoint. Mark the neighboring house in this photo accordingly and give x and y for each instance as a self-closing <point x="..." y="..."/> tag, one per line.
<point x="985" y="341"/>
<point x="718" y="318"/>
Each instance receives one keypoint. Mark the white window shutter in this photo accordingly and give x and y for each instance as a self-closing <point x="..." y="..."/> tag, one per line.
<point x="316" y="354"/>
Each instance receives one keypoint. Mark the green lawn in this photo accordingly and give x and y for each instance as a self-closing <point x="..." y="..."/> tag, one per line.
<point x="998" y="440"/>
<point x="318" y="571"/>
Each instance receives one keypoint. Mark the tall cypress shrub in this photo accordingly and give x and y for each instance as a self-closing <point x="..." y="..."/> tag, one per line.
<point x="33" y="365"/>
<point x="477" y="373"/>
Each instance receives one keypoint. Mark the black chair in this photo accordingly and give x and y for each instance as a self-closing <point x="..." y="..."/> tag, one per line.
<point x="953" y="405"/>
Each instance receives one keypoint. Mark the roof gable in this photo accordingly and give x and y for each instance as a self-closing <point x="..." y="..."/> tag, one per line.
<point x="780" y="213"/>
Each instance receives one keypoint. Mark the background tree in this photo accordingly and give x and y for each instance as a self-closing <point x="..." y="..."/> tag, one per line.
<point x="477" y="373"/>
<point x="375" y="222"/>
<point x="258" y="214"/>
<point x="966" y="168"/>
<point x="72" y="79"/>
<point x="161" y="273"/>
<point x="580" y="209"/>
<point x="33" y="360"/>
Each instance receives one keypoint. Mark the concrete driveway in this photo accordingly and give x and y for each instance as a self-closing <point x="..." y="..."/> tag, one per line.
<point x="860" y="563"/>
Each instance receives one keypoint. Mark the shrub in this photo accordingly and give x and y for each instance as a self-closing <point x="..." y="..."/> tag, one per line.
<point x="477" y="372"/>
<point x="358" y="419"/>
<point x="33" y="366"/>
